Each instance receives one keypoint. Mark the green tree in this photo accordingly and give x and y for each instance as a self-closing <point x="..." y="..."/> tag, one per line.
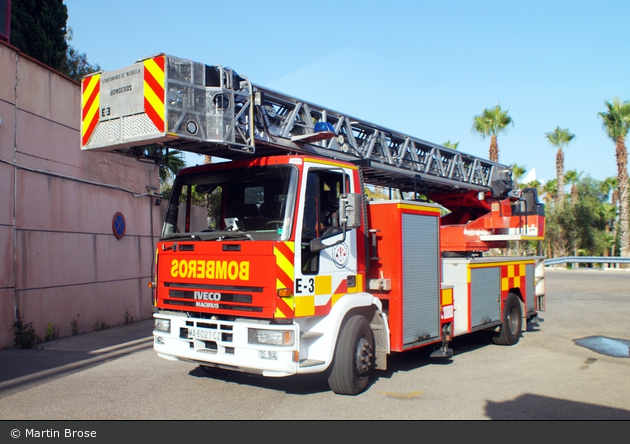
<point x="558" y="221"/>
<point x="617" y="123"/>
<point x="490" y="123"/>
<point x="38" y="29"/>
<point x="76" y="64"/>
<point x="580" y="228"/>
<point x="560" y="138"/>
<point x="587" y="208"/>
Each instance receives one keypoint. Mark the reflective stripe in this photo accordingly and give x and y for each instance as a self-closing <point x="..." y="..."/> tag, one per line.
<point x="154" y="91"/>
<point x="285" y="272"/>
<point x="89" y="104"/>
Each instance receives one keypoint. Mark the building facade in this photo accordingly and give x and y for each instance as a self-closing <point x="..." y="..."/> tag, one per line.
<point x="77" y="228"/>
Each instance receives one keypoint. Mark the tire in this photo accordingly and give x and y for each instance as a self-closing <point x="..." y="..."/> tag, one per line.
<point x="353" y="360"/>
<point x="510" y="331"/>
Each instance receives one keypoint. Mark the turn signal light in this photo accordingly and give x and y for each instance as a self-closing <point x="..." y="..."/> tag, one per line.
<point x="285" y="292"/>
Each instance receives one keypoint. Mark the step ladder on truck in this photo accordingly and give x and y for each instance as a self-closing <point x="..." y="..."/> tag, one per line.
<point x="277" y="263"/>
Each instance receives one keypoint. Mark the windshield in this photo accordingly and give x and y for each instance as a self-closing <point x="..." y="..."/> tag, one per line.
<point x="255" y="203"/>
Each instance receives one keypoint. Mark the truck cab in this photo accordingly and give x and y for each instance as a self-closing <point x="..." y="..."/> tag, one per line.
<point x="257" y="262"/>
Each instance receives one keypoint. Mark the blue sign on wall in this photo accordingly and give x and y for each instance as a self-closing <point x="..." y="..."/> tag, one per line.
<point x="118" y="225"/>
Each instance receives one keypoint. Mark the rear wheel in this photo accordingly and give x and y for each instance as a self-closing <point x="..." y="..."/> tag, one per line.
<point x="353" y="361"/>
<point x="510" y="331"/>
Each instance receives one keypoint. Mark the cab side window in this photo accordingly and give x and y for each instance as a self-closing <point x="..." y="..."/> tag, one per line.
<point x="321" y="213"/>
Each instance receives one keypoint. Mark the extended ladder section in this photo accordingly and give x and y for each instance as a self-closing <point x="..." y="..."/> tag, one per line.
<point x="211" y="110"/>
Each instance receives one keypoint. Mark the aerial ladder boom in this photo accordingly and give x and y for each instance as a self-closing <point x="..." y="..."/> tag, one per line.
<point x="212" y="110"/>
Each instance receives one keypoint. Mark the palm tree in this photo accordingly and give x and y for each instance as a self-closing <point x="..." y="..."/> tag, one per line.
<point x="534" y="184"/>
<point x="518" y="171"/>
<point x="492" y="122"/>
<point x="560" y="138"/>
<point x="550" y="190"/>
<point x="609" y="187"/>
<point x="609" y="214"/>
<point x="617" y="124"/>
<point x="572" y="177"/>
<point x="171" y="162"/>
<point x="451" y="145"/>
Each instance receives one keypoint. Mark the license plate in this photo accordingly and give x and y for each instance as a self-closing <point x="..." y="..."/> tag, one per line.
<point x="204" y="334"/>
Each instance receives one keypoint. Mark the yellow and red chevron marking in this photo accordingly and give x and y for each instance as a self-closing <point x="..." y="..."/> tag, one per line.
<point x="341" y="290"/>
<point x="512" y="276"/>
<point x="90" y="94"/>
<point x="285" y="272"/>
<point x="154" y="91"/>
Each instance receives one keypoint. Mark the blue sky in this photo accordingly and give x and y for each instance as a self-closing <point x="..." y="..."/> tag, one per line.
<point x="424" y="68"/>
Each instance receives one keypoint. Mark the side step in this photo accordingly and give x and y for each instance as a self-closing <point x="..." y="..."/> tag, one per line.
<point x="311" y="335"/>
<point x="442" y="352"/>
<point x="311" y="362"/>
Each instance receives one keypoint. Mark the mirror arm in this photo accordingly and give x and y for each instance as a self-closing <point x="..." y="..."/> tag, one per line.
<point x="317" y="244"/>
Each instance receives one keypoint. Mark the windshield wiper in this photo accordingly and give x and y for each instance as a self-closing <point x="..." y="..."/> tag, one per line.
<point x="215" y="235"/>
<point x="235" y="235"/>
<point x="182" y="236"/>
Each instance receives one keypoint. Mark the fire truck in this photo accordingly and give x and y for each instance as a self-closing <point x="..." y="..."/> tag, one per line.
<point x="280" y="261"/>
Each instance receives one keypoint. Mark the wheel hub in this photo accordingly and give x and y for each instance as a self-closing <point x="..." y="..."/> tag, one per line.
<point x="364" y="356"/>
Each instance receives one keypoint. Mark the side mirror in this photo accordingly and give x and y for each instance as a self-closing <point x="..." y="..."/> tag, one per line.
<point x="350" y="209"/>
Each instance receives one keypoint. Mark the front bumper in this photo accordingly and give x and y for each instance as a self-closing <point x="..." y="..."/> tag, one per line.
<point x="225" y="344"/>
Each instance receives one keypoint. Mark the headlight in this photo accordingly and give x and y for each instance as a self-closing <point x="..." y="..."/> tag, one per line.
<point x="162" y="325"/>
<point x="270" y="337"/>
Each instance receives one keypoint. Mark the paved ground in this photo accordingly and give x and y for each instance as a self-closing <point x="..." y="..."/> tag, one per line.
<point x="114" y="374"/>
<point x="21" y="369"/>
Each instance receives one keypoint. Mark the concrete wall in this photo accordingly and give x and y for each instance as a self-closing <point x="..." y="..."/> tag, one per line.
<point x="60" y="262"/>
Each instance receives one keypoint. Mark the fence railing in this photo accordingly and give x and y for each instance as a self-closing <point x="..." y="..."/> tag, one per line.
<point x="587" y="260"/>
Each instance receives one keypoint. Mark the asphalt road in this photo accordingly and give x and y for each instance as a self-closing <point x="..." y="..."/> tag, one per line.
<point x="115" y="375"/>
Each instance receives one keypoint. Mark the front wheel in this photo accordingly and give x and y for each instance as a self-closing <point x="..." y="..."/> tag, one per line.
<point x="510" y="331"/>
<point x="353" y="360"/>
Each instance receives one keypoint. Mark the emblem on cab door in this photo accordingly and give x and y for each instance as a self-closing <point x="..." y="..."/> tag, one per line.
<point x="340" y="254"/>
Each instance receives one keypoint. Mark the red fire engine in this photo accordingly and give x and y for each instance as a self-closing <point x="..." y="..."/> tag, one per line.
<point x="276" y="262"/>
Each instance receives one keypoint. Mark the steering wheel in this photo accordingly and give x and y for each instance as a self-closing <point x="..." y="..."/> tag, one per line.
<point x="277" y="223"/>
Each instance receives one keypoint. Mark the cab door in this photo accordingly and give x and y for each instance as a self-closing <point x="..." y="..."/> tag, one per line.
<point x="323" y="276"/>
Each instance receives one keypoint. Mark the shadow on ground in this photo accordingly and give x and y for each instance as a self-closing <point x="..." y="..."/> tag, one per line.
<point x="536" y="407"/>
<point x="317" y="383"/>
